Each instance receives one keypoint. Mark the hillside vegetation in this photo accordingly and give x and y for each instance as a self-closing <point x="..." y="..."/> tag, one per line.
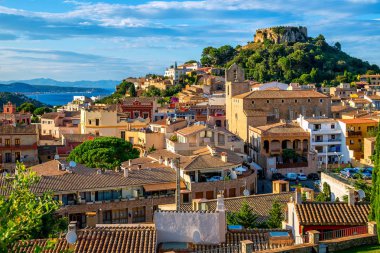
<point x="18" y="99"/>
<point x="313" y="61"/>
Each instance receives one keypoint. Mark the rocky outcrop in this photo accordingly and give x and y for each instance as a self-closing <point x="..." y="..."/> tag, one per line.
<point x="281" y="34"/>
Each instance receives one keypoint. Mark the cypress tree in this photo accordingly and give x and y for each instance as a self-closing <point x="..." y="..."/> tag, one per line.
<point x="374" y="214"/>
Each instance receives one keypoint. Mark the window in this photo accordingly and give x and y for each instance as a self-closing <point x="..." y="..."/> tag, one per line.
<point x="17" y="156"/>
<point x="136" y="114"/>
<point x="295" y="101"/>
<point x="332" y="126"/>
<point x="352" y="142"/>
<point x="89" y="122"/>
<point x="17" y="142"/>
<point x="138" y="214"/>
<point x="321" y="101"/>
<point x="359" y="128"/>
<point x="267" y="101"/>
<point x="7" y="142"/>
<point x="8" y="157"/>
<point x="253" y="102"/>
<point x="309" y="100"/>
<point x="97" y="122"/>
<point x="359" y="140"/>
<point x="145" y="115"/>
<point x="282" y="101"/>
<point x="122" y="135"/>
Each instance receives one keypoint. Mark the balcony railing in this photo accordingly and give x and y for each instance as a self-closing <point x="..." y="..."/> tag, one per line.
<point x="343" y="233"/>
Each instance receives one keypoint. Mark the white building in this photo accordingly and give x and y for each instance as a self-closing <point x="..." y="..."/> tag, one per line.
<point x="327" y="138"/>
<point x="177" y="72"/>
<point x="270" y="85"/>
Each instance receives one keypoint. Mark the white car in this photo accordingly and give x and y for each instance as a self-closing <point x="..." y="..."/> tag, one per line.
<point x="301" y="177"/>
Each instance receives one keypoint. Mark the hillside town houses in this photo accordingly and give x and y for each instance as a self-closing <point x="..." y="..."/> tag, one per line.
<point x="221" y="143"/>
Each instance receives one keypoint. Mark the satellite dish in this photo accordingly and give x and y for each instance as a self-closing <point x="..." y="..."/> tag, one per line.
<point x="71" y="237"/>
<point x="361" y="194"/>
<point x="246" y="192"/>
<point x="56" y="157"/>
<point x="72" y="164"/>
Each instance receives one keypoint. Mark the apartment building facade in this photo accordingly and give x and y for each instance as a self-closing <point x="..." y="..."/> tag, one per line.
<point x="327" y="138"/>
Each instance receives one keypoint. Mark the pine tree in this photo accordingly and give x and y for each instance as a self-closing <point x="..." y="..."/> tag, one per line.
<point x="245" y="217"/>
<point x="374" y="214"/>
<point x="276" y="215"/>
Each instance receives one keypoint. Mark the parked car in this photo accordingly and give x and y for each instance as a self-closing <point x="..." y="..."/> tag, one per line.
<point x="291" y="176"/>
<point x="277" y="176"/>
<point x="348" y="172"/>
<point x="214" y="179"/>
<point x="366" y="173"/>
<point x="313" y="176"/>
<point x="301" y="177"/>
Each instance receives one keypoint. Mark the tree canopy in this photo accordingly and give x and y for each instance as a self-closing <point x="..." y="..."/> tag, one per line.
<point x="245" y="217"/>
<point x="325" y="195"/>
<point x="103" y="153"/>
<point x="27" y="107"/>
<point x="25" y="215"/>
<point x="276" y="216"/>
<point x="375" y="196"/>
<point x="313" y="61"/>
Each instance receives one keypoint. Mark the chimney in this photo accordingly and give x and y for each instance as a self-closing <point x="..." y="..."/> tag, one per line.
<point x="160" y="160"/>
<point x="224" y="157"/>
<point x="298" y="197"/>
<point x="99" y="171"/>
<point x="72" y="226"/>
<point x="91" y="219"/>
<point x="222" y="217"/>
<point x="130" y="162"/>
<point x="351" y="197"/>
<point x="125" y="172"/>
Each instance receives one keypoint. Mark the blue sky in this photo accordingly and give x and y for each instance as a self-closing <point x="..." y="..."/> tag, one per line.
<point x="109" y="39"/>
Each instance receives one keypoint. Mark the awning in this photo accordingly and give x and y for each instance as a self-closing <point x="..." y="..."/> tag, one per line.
<point x="162" y="187"/>
<point x="256" y="166"/>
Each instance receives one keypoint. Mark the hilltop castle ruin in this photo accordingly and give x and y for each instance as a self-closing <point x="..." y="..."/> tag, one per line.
<point x="281" y="34"/>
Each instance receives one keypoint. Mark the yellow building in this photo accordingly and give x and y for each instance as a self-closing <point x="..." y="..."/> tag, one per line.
<point x="355" y="130"/>
<point x="107" y="121"/>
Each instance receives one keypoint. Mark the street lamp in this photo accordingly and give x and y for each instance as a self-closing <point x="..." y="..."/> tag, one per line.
<point x="339" y="158"/>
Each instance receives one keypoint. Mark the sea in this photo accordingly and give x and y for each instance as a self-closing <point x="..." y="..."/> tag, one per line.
<point x="55" y="99"/>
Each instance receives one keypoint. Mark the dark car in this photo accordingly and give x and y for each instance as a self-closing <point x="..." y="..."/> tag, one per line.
<point x="277" y="176"/>
<point x="313" y="176"/>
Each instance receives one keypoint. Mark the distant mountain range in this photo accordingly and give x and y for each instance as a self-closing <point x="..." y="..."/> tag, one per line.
<point x="105" y="84"/>
<point x="28" y="88"/>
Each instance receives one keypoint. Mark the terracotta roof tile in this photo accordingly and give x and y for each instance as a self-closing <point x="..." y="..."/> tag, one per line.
<point x="10" y="129"/>
<point x="357" y="121"/>
<point x="323" y="214"/>
<point x="82" y="178"/>
<point x="135" y="238"/>
<point x="259" y="237"/>
<point x="191" y="130"/>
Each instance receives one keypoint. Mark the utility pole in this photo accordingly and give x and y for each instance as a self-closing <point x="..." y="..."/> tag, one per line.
<point x="178" y="185"/>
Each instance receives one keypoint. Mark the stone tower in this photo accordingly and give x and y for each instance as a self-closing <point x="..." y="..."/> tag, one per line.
<point x="235" y="85"/>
